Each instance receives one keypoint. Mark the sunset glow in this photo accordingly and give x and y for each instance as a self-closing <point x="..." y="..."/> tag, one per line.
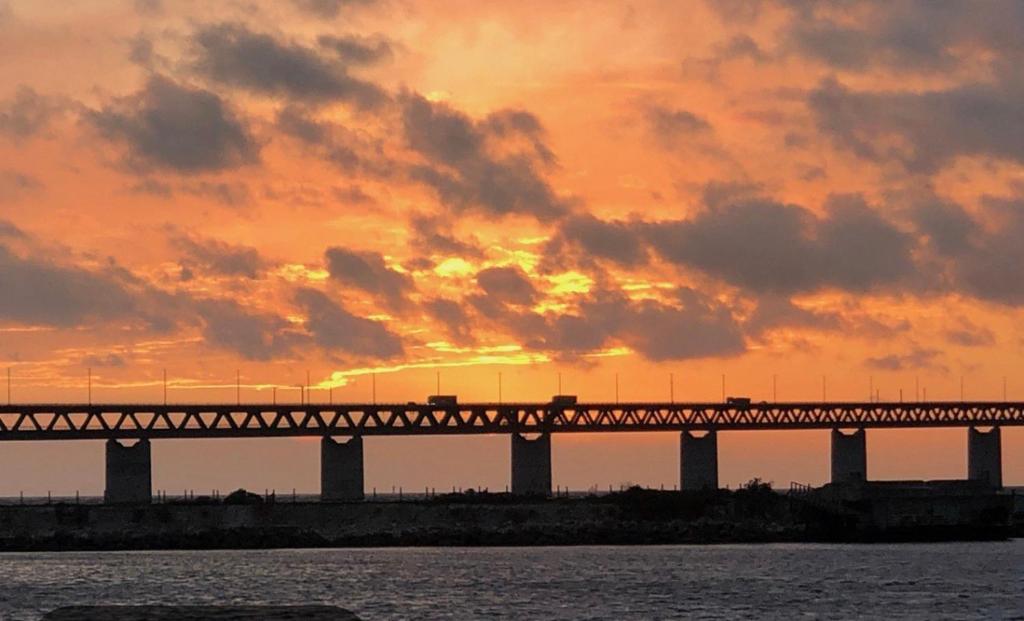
<point x="796" y="201"/>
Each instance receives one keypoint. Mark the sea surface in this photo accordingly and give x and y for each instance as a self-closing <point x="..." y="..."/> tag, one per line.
<point x="790" y="581"/>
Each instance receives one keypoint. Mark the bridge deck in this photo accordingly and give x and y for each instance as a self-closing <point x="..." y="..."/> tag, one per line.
<point x="34" y="421"/>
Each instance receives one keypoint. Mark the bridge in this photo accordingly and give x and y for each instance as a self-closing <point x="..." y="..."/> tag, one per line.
<point x="530" y="425"/>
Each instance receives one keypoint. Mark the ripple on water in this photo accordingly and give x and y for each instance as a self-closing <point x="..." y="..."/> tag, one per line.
<point x="959" y="581"/>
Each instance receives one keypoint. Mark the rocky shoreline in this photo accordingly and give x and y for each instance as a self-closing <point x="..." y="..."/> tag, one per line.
<point x="635" y="517"/>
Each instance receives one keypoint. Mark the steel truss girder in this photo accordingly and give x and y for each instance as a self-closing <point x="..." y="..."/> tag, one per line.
<point x="86" y="422"/>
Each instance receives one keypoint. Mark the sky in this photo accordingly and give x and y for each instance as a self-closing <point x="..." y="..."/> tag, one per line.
<point x="788" y="200"/>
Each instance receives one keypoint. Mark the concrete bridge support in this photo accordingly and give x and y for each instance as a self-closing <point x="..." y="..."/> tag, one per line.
<point x="698" y="461"/>
<point x="129" y="473"/>
<point x="531" y="465"/>
<point x="849" y="456"/>
<point x="985" y="456"/>
<point x="341" y="469"/>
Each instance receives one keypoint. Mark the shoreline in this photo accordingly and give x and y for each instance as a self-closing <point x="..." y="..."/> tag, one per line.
<point x="633" y="517"/>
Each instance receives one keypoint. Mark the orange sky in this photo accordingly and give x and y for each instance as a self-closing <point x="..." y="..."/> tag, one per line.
<point x="746" y="188"/>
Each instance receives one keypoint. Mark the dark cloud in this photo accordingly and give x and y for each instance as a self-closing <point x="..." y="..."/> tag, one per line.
<point x="670" y="125"/>
<point x="10" y="231"/>
<point x="967" y="334"/>
<point x="911" y="35"/>
<point x="234" y="55"/>
<point x="47" y="293"/>
<point x="219" y="258"/>
<point x="731" y="12"/>
<point x="947" y="226"/>
<point x="742" y="46"/>
<point x="457" y="322"/>
<point x="769" y="247"/>
<point x="613" y="240"/>
<point x="433" y="237"/>
<point x="348" y="150"/>
<point x="690" y="325"/>
<point x="989" y="265"/>
<point x="231" y="194"/>
<point x="352" y="195"/>
<point x="697" y="327"/>
<point x="357" y="50"/>
<point x="465" y="166"/>
<point x="717" y="193"/>
<point x="251" y="334"/>
<point x="773" y="312"/>
<point x="368" y="272"/>
<point x="152" y="187"/>
<point x="42" y="292"/>
<point x="141" y="51"/>
<point x="27" y="113"/>
<point x="328" y="8"/>
<point x="924" y="130"/>
<point x="176" y="127"/>
<point x="918" y="358"/>
<point x="507" y="285"/>
<point x="336" y="330"/>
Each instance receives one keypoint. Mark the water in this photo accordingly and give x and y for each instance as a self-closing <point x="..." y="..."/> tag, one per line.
<point x="956" y="581"/>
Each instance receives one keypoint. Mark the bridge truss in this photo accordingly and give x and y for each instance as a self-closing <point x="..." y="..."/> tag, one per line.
<point x="105" y="421"/>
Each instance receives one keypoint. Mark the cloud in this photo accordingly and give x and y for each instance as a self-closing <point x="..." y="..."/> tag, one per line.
<point x="774" y="312"/>
<point x="27" y="113"/>
<point x="347" y="150"/>
<point x="918" y="358"/>
<point x="357" y="50"/>
<point x="175" y="127"/>
<point x="453" y="316"/>
<point x="944" y="224"/>
<point x="688" y="325"/>
<point x="253" y="335"/>
<point x="10" y="231"/>
<point x="219" y="258"/>
<point x="697" y="327"/>
<point x="234" y="55"/>
<point x="670" y="125"/>
<point x="742" y="46"/>
<point x="507" y="285"/>
<point x="613" y="240"/>
<point x="41" y="292"/>
<point x="769" y="247"/>
<point x="924" y="130"/>
<point x="912" y="35"/>
<point x="335" y="329"/>
<point x="989" y="265"/>
<point x="431" y="239"/>
<point x="493" y="165"/>
<point x="231" y="194"/>
<point x="368" y="272"/>
<point x="328" y="8"/>
<point x="967" y="334"/>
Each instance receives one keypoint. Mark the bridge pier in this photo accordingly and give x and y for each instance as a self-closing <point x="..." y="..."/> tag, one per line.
<point x="341" y="469"/>
<point x="849" y="456"/>
<point x="129" y="477"/>
<point x="698" y="461"/>
<point x="531" y="465"/>
<point x="985" y="456"/>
